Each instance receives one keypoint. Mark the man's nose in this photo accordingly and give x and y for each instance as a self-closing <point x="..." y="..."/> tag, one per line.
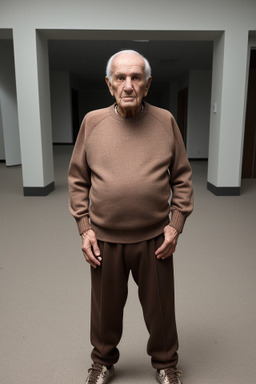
<point x="128" y="84"/>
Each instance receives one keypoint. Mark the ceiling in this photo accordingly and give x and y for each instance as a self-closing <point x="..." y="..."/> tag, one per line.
<point x="169" y="59"/>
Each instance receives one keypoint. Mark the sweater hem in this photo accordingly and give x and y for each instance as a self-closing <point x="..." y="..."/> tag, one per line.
<point x="129" y="236"/>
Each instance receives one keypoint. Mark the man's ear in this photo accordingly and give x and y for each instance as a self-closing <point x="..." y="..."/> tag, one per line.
<point x="109" y="85"/>
<point x="147" y="86"/>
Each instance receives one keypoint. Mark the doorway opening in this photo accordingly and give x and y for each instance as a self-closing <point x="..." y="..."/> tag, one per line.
<point x="249" y="152"/>
<point x="182" y="113"/>
<point x="172" y="55"/>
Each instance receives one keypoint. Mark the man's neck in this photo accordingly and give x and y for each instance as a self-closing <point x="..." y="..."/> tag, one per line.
<point x="129" y="113"/>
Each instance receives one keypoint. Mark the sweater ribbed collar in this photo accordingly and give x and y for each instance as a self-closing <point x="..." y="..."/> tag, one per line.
<point x="129" y="119"/>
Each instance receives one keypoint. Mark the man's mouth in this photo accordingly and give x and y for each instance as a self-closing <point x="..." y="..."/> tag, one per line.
<point x="128" y="97"/>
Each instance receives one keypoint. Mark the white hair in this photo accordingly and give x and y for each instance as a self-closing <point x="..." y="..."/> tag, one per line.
<point x="147" y="68"/>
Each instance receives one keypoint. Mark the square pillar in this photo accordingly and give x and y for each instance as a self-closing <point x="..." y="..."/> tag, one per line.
<point x="227" y="112"/>
<point x="34" y="113"/>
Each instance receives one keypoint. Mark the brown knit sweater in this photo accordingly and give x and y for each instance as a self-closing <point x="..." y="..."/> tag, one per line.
<point x="122" y="171"/>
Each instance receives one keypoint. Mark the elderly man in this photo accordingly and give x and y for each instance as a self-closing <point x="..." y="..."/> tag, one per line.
<point x="127" y="160"/>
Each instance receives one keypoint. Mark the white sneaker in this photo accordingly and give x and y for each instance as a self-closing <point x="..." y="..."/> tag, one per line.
<point x="168" y="376"/>
<point x="99" y="374"/>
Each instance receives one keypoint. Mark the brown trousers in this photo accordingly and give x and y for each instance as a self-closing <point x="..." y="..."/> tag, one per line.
<point x="156" y="293"/>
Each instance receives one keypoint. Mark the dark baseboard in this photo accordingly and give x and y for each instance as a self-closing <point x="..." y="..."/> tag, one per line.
<point x="223" y="191"/>
<point x="39" y="191"/>
<point x="198" y="159"/>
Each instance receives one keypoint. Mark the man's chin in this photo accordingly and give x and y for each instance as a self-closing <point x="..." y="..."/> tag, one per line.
<point x="129" y="104"/>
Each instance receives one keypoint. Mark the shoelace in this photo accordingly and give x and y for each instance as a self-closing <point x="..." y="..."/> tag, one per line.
<point x="94" y="372"/>
<point x="172" y="375"/>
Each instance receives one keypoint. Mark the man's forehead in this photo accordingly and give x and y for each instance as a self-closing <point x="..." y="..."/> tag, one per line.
<point x="128" y="70"/>
<point x="125" y="61"/>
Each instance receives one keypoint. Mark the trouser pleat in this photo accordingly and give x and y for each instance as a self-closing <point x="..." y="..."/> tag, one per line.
<point x="156" y="293"/>
<point x="108" y="297"/>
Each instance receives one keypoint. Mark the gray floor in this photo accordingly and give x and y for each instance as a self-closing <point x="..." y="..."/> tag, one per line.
<point x="45" y="289"/>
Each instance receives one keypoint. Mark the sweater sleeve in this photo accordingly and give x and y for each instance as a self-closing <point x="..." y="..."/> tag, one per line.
<point x="79" y="180"/>
<point x="180" y="182"/>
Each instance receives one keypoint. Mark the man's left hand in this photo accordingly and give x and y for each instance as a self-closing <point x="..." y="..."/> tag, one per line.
<point x="169" y="245"/>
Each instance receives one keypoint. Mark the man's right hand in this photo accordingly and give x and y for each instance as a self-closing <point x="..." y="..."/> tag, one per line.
<point x="90" y="248"/>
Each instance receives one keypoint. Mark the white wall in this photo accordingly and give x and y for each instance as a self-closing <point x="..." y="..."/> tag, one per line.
<point x="192" y="15"/>
<point x="45" y="108"/>
<point x="216" y="98"/>
<point x="199" y="101"/>
<point x="61" y="107"/>
<point x="33" y="95"/>
<point x="227" y="124"/>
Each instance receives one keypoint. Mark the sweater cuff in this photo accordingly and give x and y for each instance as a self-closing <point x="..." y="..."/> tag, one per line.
<point x="177" y="220"/>
<point x="83" y="224"/>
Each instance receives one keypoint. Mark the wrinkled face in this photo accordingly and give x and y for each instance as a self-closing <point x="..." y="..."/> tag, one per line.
<point x="128" y="84"/>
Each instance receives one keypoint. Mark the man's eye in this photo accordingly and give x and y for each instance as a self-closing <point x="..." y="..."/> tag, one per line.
<point x="120" y="78"/>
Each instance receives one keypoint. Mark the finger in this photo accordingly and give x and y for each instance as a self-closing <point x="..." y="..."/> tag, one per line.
<point x="91" y="258"/>
<point x="96" y="249"/>
<point x="161" y="249"/>
<point x="93" y="262"/>
<point x="90" y="249"/>
<point x="94" y="244"/>
<point x="166" y="256"/>
<point x="166" y="250"/>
